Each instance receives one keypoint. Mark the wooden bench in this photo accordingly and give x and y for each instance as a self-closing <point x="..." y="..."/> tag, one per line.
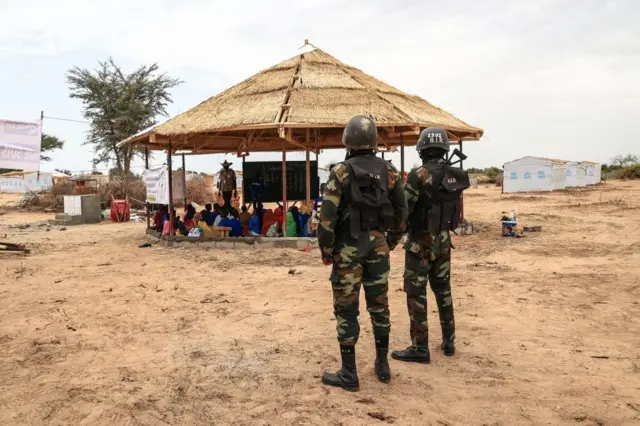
<point x="221" y="231"/>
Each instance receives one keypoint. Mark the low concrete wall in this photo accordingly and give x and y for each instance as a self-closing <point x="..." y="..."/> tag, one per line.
<point x="232" y="242"/>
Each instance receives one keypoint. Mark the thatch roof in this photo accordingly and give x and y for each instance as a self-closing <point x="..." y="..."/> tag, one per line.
<point x="302" y="102"/>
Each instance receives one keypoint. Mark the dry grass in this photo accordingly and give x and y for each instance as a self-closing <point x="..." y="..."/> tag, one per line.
<point x="52" y="200"/>
<point x="121" y="188"/>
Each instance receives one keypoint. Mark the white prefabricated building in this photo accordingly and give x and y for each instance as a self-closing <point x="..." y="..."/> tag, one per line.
<point x="593" y="172"/>
<point x="534" y="174"/>
<point x="576" y="174"/>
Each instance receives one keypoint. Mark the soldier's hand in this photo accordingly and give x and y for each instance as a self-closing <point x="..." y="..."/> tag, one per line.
<point x="327" y="256"/>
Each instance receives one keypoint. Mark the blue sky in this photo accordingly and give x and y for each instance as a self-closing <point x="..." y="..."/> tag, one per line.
<point x="555" y="78"/>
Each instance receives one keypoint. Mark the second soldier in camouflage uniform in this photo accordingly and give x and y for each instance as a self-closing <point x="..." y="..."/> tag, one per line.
<point x="363" y="199"/>
<point x="433" y="213"/>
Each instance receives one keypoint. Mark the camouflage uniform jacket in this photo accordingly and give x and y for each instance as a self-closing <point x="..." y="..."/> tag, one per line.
<point x="417" y="179"/>
<point x="334" y="214"/>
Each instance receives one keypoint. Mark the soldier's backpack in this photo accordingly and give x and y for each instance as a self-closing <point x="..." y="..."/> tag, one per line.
<point x="439" y="205"/>
<point x="367" y="196"/>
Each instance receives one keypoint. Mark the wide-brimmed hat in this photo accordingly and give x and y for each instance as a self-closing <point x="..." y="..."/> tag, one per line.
<point x="226" y="163"/>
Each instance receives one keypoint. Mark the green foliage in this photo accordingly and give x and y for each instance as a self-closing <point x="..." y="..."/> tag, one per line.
<point x="119" y="105"/>
<point x="624" y="160"/>
<point x="49" y="143"/>
<point x="625" y="173"/>
<point x="64" y="171"/>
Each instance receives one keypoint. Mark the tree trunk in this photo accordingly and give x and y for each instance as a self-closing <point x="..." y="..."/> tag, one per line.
<point x="127" y="154"/>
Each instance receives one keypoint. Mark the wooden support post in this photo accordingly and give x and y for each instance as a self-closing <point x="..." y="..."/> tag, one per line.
<point x="284" y="190"/>
<point x="308" y="169"/>
<point x="402" y="156"/>
<point x="170" y="171"/>
<point x="146" y="167"/>
<point x="462" y="195"/>
<point x="184" y="182"/>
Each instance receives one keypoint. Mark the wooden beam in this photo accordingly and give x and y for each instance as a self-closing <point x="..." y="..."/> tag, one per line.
<point x="413" y="132"/>
<point x="284" y="190"/>
<point x="170" y="170"/>
<point x="308" y="169"/>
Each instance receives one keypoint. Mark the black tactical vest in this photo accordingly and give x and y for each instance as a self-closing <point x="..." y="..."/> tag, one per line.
<point x="367" y="195"/>
<point x="440" y="203"/>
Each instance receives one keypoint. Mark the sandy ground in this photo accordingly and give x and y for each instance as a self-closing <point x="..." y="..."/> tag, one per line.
<point x="95" y="330"/>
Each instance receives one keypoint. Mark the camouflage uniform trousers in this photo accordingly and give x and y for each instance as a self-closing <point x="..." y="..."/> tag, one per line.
<point x="361" y="261"/>
<point x="428" y="258"/>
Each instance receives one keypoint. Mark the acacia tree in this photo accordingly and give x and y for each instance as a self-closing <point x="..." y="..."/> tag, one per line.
<point x="49" y="143"/>
<point x="624" y="160"/>
<point x="118" y="105"/>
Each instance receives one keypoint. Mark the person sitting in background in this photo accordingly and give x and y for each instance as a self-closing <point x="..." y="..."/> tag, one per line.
<point x="291" y="225"/>
<point x="234" y="223"/>
<point x="158" y="218"/>
<point x="295" y="213"/>
<point x="189" y="212"/>
<point x="223" y="213"/>
<point x="178" y="226"/>
<point x="206" y="229"/>
<point x="268" y="219"/>
<point x="189" y="216"/>
<point x="234" y="212"/>
<point x="245" y="216"/>
<point x="279" y="210"/>
<point x="207" y="215"/>
<point x="277" y="214"/>
<point x="254" y="226"/>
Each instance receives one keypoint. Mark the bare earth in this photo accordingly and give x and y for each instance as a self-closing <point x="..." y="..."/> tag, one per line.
<point x="95" y="330"/>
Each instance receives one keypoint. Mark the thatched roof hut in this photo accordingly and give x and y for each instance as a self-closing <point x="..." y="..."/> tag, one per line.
<point x="300" y="104"/>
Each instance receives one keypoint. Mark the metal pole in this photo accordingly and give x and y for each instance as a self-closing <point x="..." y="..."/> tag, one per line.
<point x="170" y="170"/>
<point x="284" y="190"/>
<point x="146" y="167"/>
<point x="184" y="182"/>
<point x="41" y="134"/>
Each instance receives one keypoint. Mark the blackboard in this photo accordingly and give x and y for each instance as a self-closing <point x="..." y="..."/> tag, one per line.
<point x="271" y="172"/>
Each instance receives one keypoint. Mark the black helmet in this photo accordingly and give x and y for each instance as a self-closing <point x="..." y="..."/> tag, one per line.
<point x="433" y="138"/>
<point x="360" y="133"/>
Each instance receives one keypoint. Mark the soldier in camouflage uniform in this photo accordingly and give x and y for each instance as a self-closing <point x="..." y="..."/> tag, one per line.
<point x="361" y="220"/>
<point x="428" y="251"/>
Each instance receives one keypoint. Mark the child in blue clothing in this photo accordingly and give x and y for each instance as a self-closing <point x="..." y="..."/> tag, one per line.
<point x="232" y="222"/>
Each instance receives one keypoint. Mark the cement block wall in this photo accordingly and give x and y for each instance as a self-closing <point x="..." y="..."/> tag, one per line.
<point x="80" y="209"/>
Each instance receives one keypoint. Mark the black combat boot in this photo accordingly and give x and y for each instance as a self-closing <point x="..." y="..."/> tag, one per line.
<point x="383" y="371"/>
<point x="413" y="354"/>
<point x="448" y="347"/>
<point x="347" y="377"/>
<point x="448" y="335"/>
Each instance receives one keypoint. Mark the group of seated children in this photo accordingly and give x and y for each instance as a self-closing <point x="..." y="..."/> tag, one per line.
<point x="262" y="222"/>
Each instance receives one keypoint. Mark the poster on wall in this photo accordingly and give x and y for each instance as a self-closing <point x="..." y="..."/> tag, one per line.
<point x="157" y="183"/>
<point x="20" y="144"/>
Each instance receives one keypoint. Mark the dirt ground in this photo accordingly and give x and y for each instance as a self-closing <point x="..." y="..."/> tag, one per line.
<point x="94" y="330"/>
